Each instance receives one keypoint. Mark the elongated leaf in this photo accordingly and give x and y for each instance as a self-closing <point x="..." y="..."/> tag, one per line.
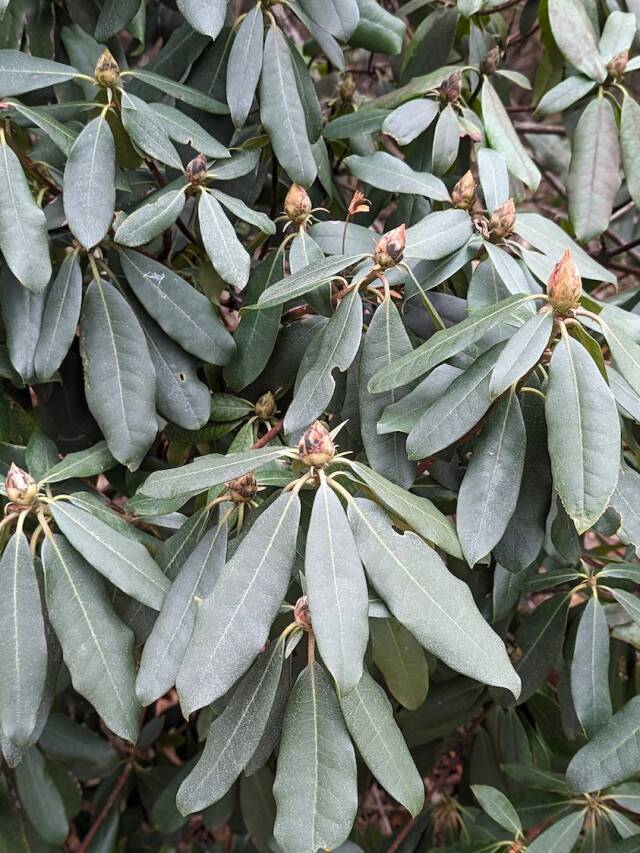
<point x="386" y="172"/>
<point x="498" y="807"/>
<point x="233" y="622"/>
<point x="235" y="734"/>
<point x="446" y="141"/>
<point x="244" y="212"/>
<point x="540" y="638"/>
<point x="306" y="279"/>
<point x="119" y="375"/>
<point x="418" y="512"/>
<point x="22" y="312"/>
<point x="369" y="718"/>
<point x="207" y="471"/>
<point x="227" y="254"/>
<point x="22" y="73"/>
<point x="83" y="463"/>
<point x="504" y="139"/>
<point x="353" y="124"/>
<point x="147" y="131"/>
<point x="583" y="426"/>
<point x="489" y="491"/>
<point x="337" y="348"/>
<point x="23" y="643"/>
<point x="60" y="134"/>
<point x="590" y="669"/>
<point x="522" y="352"/>
<point x="281" y="111"/>
<point x="629" y="602"/>
<point x="318" y="812"/>
<point x="97" y="647"/>
<point x="378" y="30"/>
<point x="438" y="235"/>
<point x="89" y="190"/>
<point x="444" y="344"/>
<point x="456" y="411"/>
<point x="114" y="16"/>
<point x="404" y="414"/>
<point x="560" y="837"/>
<point x="165" y="647"/>
<point x="433" y="604"/>
<point x="625" y="352"/>
<point x="185" y="314"/>
<point x="41" y="798"/>
<point x="494" y="177"/>
<point x="409" y="120"/>
<point x="339" y="17"/>
<point x="574" y="35"/>
<point x="385" y="341"/>
<point x="593" y="178"/>
<point x="187" y="94"/>
<point x="59" y="318"/>
<point x="630" y="145"/>
<point x="337" y="590"/>
<point x="126" y="564"/>
<point x="207" y="18"/>
<point x="564" y="94"/>
<point x="187" y="131"/>
<point x="23" y="228"/>
<point x="402" y="661"/>
<point x="245" y="65"/>
<point x="153" y="216"/>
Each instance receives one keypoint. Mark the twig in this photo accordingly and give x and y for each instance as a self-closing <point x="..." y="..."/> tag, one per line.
<point x="113" y="796"/>
<point x="533" y="127"/>
<point x="268" y="436"/>
<point x="624" y="248"/>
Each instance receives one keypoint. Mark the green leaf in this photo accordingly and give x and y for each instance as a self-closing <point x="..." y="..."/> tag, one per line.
<point x="227" y="254"/>
<point x="560" y="837"/>
<point x="438" y="234"/>
<point x="89" y="189"/>
<point x="457" y="410"/>
<point x="540" y="637"/>
<point x="60" y="134"/>
<point x="337" y="590"/>
<point x="187" y="94"/>
<point x="233" y="622"/>
<point x="338" y="17"/>
<point x="584" y="430"/>
<point x="386" y="172"/>
<point x="522" y="352"/>
<point x="498" y="807"/>
<point x="624" y="350"/>
<point x="408" y="120"/>
<point x="593" y="179"/>
<point x="59" y="318"/>
<point x="244" y="66"/>
<point x="426" y="598"/>
<point x="207" y="471"/>
<point x="385" y="341"/>
<point x="165" y="647"/>
<point x="446" y="141"/>
<point x="625" y="502"/>
<point x="41" y="799"/>
<point x="127" y="564"/>
<point x="369" y="718"/>
<point x="418" y="512"/>
<point x="235" y="734"/>
<point x="630" y="145"/>
<point x="308" y="278"/>
<point x="147" y="131"/>
<point x="83" y="463"/>
<point x="629" y="602"/>
<point x="489" y="491"/>
<point x="97" y="647"/>
<point x="23" y="228"/>
<point x="187" y="131"/>
<point x="244" y="212"/>
<point x="590" y="669"/>
<point x="23" y="643"/>
<point x="564" y="94"/>
<point x="156" y="213"/>
<point x="258" y="807"/>
<point x="336" y="347"/>
<point x="22" y="312"/>
<point x="281" y="111"/>
<point x="504" y="139"/>
<point x="446" y="343"/>
<point x="509" y="271"/>
<point x="22" y="73"/>
<point x="494" y="177"/>
<point x="41" y="454"/>
<point x="617" y="35"/>
<point x="305" y="251"/>
<point x="404" y="414"/>
<point x="119" y="374"/>
<point x="256" y="335"/>
<point x="354" y="124"/>
<point x="574" y="35"/>
<point x="185" y="314"/>
<point x="76" y="746"/>
<point x="206" y="18"/>
<point x="402" y="661"/>
<point x="319" y="810"/>
<point x="378" y="30"/>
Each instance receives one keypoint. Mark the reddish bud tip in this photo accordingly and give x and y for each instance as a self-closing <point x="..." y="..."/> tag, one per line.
<point x="389" y="250"/>
<point x="463" y="194"/>
<point x="502" y="221"/>
<point x="196" y="169"/>
<point x="316" y="447"/>
<point x="20" y="486"/>
<point x="564" y="287"/>
<point x="297" y="205"/>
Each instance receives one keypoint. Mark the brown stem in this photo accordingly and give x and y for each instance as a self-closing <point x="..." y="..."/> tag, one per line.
<point x="100" y="819"/>
<point x="268" y="436"/>
<point x="406" y="829"/>
<point x="624" y="248"/>
<point x="534" y="127"/>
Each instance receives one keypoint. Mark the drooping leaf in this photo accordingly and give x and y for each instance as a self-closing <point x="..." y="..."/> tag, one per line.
<point x="540" y="638"/>
<point x="315" y="750"/>
<point x="59" y="318"/>
<point x="494" y="177"/>
<point x="41" y="798"/>
<point x="83" y="463"/>
<point x="583" y="426"/>
<point x="22" y="311"/>
<point x="114" y="16"/>
<point x="564" y="94"/>
<point x="402" y="661"/>
<point x="227" y="254"/>
<point x="233" y="622"/>
<point x="153" y="216"/>
<point x="446" y="141"/>
<point x="504" y="138"/>
<point x="521" y="353"/>
<point x="245" y="65"/>
<point x="630" y="148"/>
<point x="181" y="128"/>
<point x="97" y="647"/>
<point x="207" y="18"/>
<point x="498" y="807"/>
<point x="433" y="604"/>
<point x="147" y="131"/>
<point x="574" y="35"/>
<point x="561" y="836"/>
<point x="338" y="17"/>
<point x="22" y="73"/>
<point x="438" y="235"/>
<point x="590" y="669"/>
<point x="378" y="29"/>
<point x="306" y="279"/>
<point x="243" y="211"/>
<point x="353" y="124"/>
<point x="409" y="120"/>
<point x="386" y="172"/>
<point x="187" y="94"/>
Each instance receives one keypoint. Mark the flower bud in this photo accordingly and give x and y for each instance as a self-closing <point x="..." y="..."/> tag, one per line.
<point x="196" y="169"/>
<point x="463" y="194"/>
<point x="297" y="205"/>
<point x="564" y="287"/>
<point x="389" y="250"/>
<point x="243" y="489"/>
<point x="451" y="88"/>
<point x="502" y="221"/>
<point x="490" y="61"/>
<point x="316" y="446"/>
<point x="21" y="488"/>
<point x="301" y="613"/>
<point x="266" y="406"/>
<point x="359" y="204"/>
<point x="617" y="65"/>
<point x="107" y="70"/>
